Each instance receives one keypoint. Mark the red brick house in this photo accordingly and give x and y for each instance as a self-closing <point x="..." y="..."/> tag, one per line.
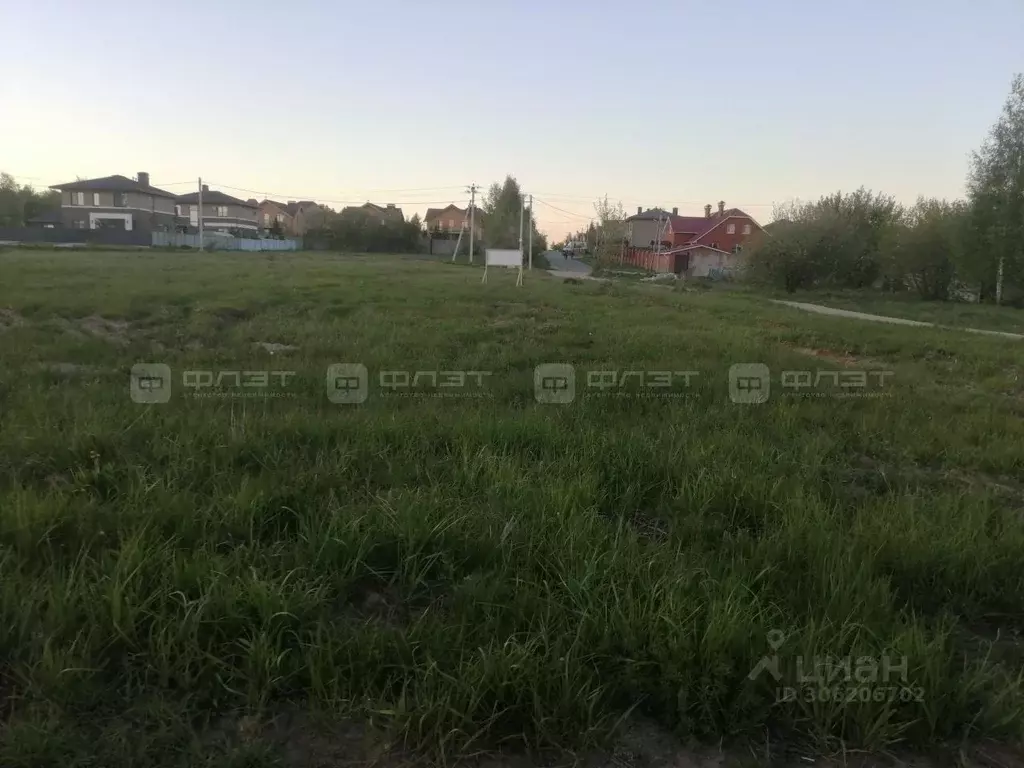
<point x="694" y="245"/>
<point x="453" y="219"/>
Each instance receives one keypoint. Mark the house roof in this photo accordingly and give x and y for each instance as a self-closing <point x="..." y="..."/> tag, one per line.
<point x="433" y="213"/>
<point x="215" y="197"/>
<point x="699" y="226"/>
<point x="115" y="183"/>
<point x="650" y="214"/>
<point x="380" y="210"/>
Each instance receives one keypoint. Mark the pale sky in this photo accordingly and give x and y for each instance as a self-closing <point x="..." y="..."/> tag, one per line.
<point x="662" y="103"/>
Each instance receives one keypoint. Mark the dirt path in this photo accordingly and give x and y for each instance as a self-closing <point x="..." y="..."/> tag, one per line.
<point x="818" y="308"/>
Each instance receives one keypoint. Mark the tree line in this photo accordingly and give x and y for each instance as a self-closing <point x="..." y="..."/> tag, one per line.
<point x="938" y="249"/>
<point x="19" y="204"/>
<point x="355" y="229"/>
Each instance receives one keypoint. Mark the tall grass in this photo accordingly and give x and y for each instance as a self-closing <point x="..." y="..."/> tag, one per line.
<point x="475" y="573"/>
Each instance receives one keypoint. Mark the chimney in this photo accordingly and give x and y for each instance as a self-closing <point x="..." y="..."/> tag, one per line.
<point x="252" y="201"/>
<point x="206" y="187"/>
<point x="639" y="210"/>
<point x="143" y="178"/>
<point x="391" y="205"/>
<point x="721" y="207"/>
<point x="675" y="211"/>
<point x="707" y="211"/>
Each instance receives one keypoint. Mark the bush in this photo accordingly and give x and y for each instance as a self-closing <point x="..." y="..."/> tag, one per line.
<point x="836" y="241"/>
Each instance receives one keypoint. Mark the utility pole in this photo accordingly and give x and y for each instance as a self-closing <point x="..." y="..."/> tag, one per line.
<point x="472" y="212"/>
<point x="522" y="208"/>
<point x="530" y="230"/>
<point x="200" y="213"/>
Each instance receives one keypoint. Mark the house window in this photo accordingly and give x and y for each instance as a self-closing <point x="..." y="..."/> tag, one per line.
<point x="746" y="229"/>
<point x="121" y="199"/>
<point x="280" y="218"/>
<point x="730" y="229"/>
<point x="177" y="210"/>
<point x="715" y="246"/>
<point x="451" y="223"/>
<point x="266" y="219"/>
<point x="78" y="198"/>
<point x="737" y="248"/>
<point x="222" y="211"/>
<point x="96" y="199"/>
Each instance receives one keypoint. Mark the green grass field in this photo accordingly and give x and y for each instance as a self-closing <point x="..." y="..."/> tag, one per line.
<point x="953" y="314"/>
<point x="255" y="575"/>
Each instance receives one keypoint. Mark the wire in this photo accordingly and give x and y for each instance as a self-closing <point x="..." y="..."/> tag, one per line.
<point x="562" y="210"/>
<point x="339" y="202"/>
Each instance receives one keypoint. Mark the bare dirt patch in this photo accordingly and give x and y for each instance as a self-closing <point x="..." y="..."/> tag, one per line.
<point x="97" y="327"/>
<point x="843" y="357"/>
<point x="274" y="347"/>
<point x="10" y="319"/>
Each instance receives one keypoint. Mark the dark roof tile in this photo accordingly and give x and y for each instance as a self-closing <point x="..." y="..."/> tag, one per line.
<point x="115" y="183"/>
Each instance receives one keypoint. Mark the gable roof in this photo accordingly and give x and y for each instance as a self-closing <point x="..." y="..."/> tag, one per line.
<point x="115" y="183"/>
<point x="379" y="210"/>
<point x="699" y="226"/>
<point x="215" y="197"/>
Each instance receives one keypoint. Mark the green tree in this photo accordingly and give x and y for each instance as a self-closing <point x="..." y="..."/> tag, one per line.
<point x="836" y="241"/>
<point x="19" y="204"/>
<point x="922" y="250"/>
<point x="610" y="231"/>
<point x="996" y="192"/>
<point x="501" y="208"/>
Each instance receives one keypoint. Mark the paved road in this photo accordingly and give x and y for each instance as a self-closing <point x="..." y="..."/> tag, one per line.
<point x="885" y="319"/>
<point x="563" y="267"/>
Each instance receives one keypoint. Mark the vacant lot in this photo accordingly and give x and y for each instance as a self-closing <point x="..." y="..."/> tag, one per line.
<point x="252" y="574"/>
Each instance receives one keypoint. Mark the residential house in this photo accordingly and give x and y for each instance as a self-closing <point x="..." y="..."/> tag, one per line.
<point x="695" y="245"/>
<point x="221" y="212"/>
<point x="117" y="202"/>
<point x="453" y="219"/>
<point x="379" y="212"/>
<point x="294" y="217"/>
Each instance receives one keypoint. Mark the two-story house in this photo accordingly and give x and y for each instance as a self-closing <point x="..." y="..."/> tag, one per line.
<point x="381" y="213"/>
<point x="293" y="217"/>
<point x="696" y="245"/>
<point x="453" y="219"/>
<point x="117" y="202"/>
<point x="221" y="212"/>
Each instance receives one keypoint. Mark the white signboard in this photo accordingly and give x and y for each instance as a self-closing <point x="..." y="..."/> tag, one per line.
<point x="496" y="257"/>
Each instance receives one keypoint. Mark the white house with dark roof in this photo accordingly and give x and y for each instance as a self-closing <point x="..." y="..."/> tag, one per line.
<point x="116" y="202"/>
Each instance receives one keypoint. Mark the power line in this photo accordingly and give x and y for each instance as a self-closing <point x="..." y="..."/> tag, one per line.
<point x="341" y="202"/>
<point x="562" y="210"/>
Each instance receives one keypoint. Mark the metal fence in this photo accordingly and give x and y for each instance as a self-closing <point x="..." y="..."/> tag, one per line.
<point x="66" y="236"/>
<point x="220" y="243"/>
